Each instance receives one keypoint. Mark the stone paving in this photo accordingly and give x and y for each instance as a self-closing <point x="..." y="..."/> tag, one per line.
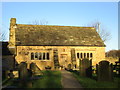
<point x="69" y="81"/>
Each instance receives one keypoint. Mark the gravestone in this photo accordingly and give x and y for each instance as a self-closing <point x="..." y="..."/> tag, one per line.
<point x="116" y="68"/>
<point x="23" y="72"/>
<point x="104" y="71"/>
<point x="86" y="67"/>
<point x="24" y="75"/>
<point x="33" y="68"/>
<point x="69" y="67"/>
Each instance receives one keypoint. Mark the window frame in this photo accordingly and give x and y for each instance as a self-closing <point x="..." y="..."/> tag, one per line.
<point x="41" y="56"/>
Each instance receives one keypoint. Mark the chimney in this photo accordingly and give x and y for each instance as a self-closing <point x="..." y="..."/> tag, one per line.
<point x="12" y="39"/>
<point x="12" y="22"/>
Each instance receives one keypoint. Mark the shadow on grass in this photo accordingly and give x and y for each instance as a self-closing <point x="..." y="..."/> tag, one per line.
<point x="51" y="79"/>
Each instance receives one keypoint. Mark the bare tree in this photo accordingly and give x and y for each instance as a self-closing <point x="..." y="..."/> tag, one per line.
<point x="2" y="35"/>
<point x="104" y="34"/>
<point x="41" y="22"/>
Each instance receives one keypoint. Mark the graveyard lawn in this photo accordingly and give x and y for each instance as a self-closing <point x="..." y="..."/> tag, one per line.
<point x="50" y="79"/>
<point x="92" y="83"/>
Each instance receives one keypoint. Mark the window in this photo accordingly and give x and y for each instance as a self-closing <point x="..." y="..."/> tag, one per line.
<point x="75" y="65"/>
<point x="40" y="56"/>
<point x="43" y="56"/>
<point x="87" y="55"/>
<point x="47" y="56"/>
<point x="91" y="55"/>
<point x="84" y="55"/>
<point x="32" y="56"/>
<point x="36" y="55"/>
<point x="78" y="55"/>
<point x="81" y="55"/>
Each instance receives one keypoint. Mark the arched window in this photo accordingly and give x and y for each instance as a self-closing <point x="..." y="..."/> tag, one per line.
<point x="36" y="56"/>
<point x="81" y="55"/>
<point x="48" y="56"/>
<point x="91" y="55"/>
<point x="87" y="55"/>
<point x="43" y="56"/>
<point x="84" y="55"/>
<point x="78" y="55"/>
<point x="40" y="56"/>
<point x="32" y="56"/>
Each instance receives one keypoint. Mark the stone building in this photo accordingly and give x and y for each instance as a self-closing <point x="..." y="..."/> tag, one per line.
<point x="55" y="46"/>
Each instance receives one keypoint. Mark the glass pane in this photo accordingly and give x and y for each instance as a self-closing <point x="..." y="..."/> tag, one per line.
<point x="78" y="55"/>
<point x="40" y="56"/>
<point x="87" y="55"/>
<point x="81" y="55"/>
<point x="43" y="56"/>
<point x="48" y="56"/>
<point x="84" y="55"/>
<point x="36" y="56"/>
<point x="32" y="56"/>
<point x="91" y="55"/>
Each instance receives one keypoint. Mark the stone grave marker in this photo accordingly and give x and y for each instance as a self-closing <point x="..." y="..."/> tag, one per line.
<point x="23" y="72"/>
<point x="86" y="67"/>
<point x="24" y="75"/>
<point x="33" y="68"/>
<point x="104" y="71"/>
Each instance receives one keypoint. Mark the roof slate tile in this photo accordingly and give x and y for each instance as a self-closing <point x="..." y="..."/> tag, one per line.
<point x="57" y="35"/>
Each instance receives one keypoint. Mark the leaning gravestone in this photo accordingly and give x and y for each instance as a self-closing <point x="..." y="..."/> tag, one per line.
<point x="86" y="67"/>
<point x="104" y="71"/>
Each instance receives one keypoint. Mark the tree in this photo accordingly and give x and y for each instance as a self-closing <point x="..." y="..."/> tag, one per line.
<point x="104" y="34"/>
<point x="113" y="53"/>
<point x="41" y="22"/>
<point x="2" y="36"/>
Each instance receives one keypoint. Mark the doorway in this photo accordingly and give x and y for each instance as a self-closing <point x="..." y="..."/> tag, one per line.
<point x="64" y="60"/>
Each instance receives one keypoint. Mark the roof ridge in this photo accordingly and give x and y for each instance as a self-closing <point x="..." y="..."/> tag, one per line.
<point x="56" y="26"/>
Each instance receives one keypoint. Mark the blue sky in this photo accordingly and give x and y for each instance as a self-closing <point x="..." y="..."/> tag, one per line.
<point x="65" y="13"/>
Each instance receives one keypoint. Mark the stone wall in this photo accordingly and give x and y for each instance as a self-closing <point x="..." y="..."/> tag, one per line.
<point x="64" y="55"/>
<point x="111" y="59"/>
<point x="12" y="36"/>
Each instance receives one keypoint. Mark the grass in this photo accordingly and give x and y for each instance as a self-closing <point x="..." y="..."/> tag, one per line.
<point x="50" y="79"/>
<point x="6" y="82"/>
<point x="92" y="83"/>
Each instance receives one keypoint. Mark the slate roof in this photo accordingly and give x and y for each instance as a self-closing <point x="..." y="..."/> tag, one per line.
<point x="35" y="35"/>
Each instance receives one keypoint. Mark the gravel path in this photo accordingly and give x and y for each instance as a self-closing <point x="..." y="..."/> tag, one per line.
<point x="69" y="81"/>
